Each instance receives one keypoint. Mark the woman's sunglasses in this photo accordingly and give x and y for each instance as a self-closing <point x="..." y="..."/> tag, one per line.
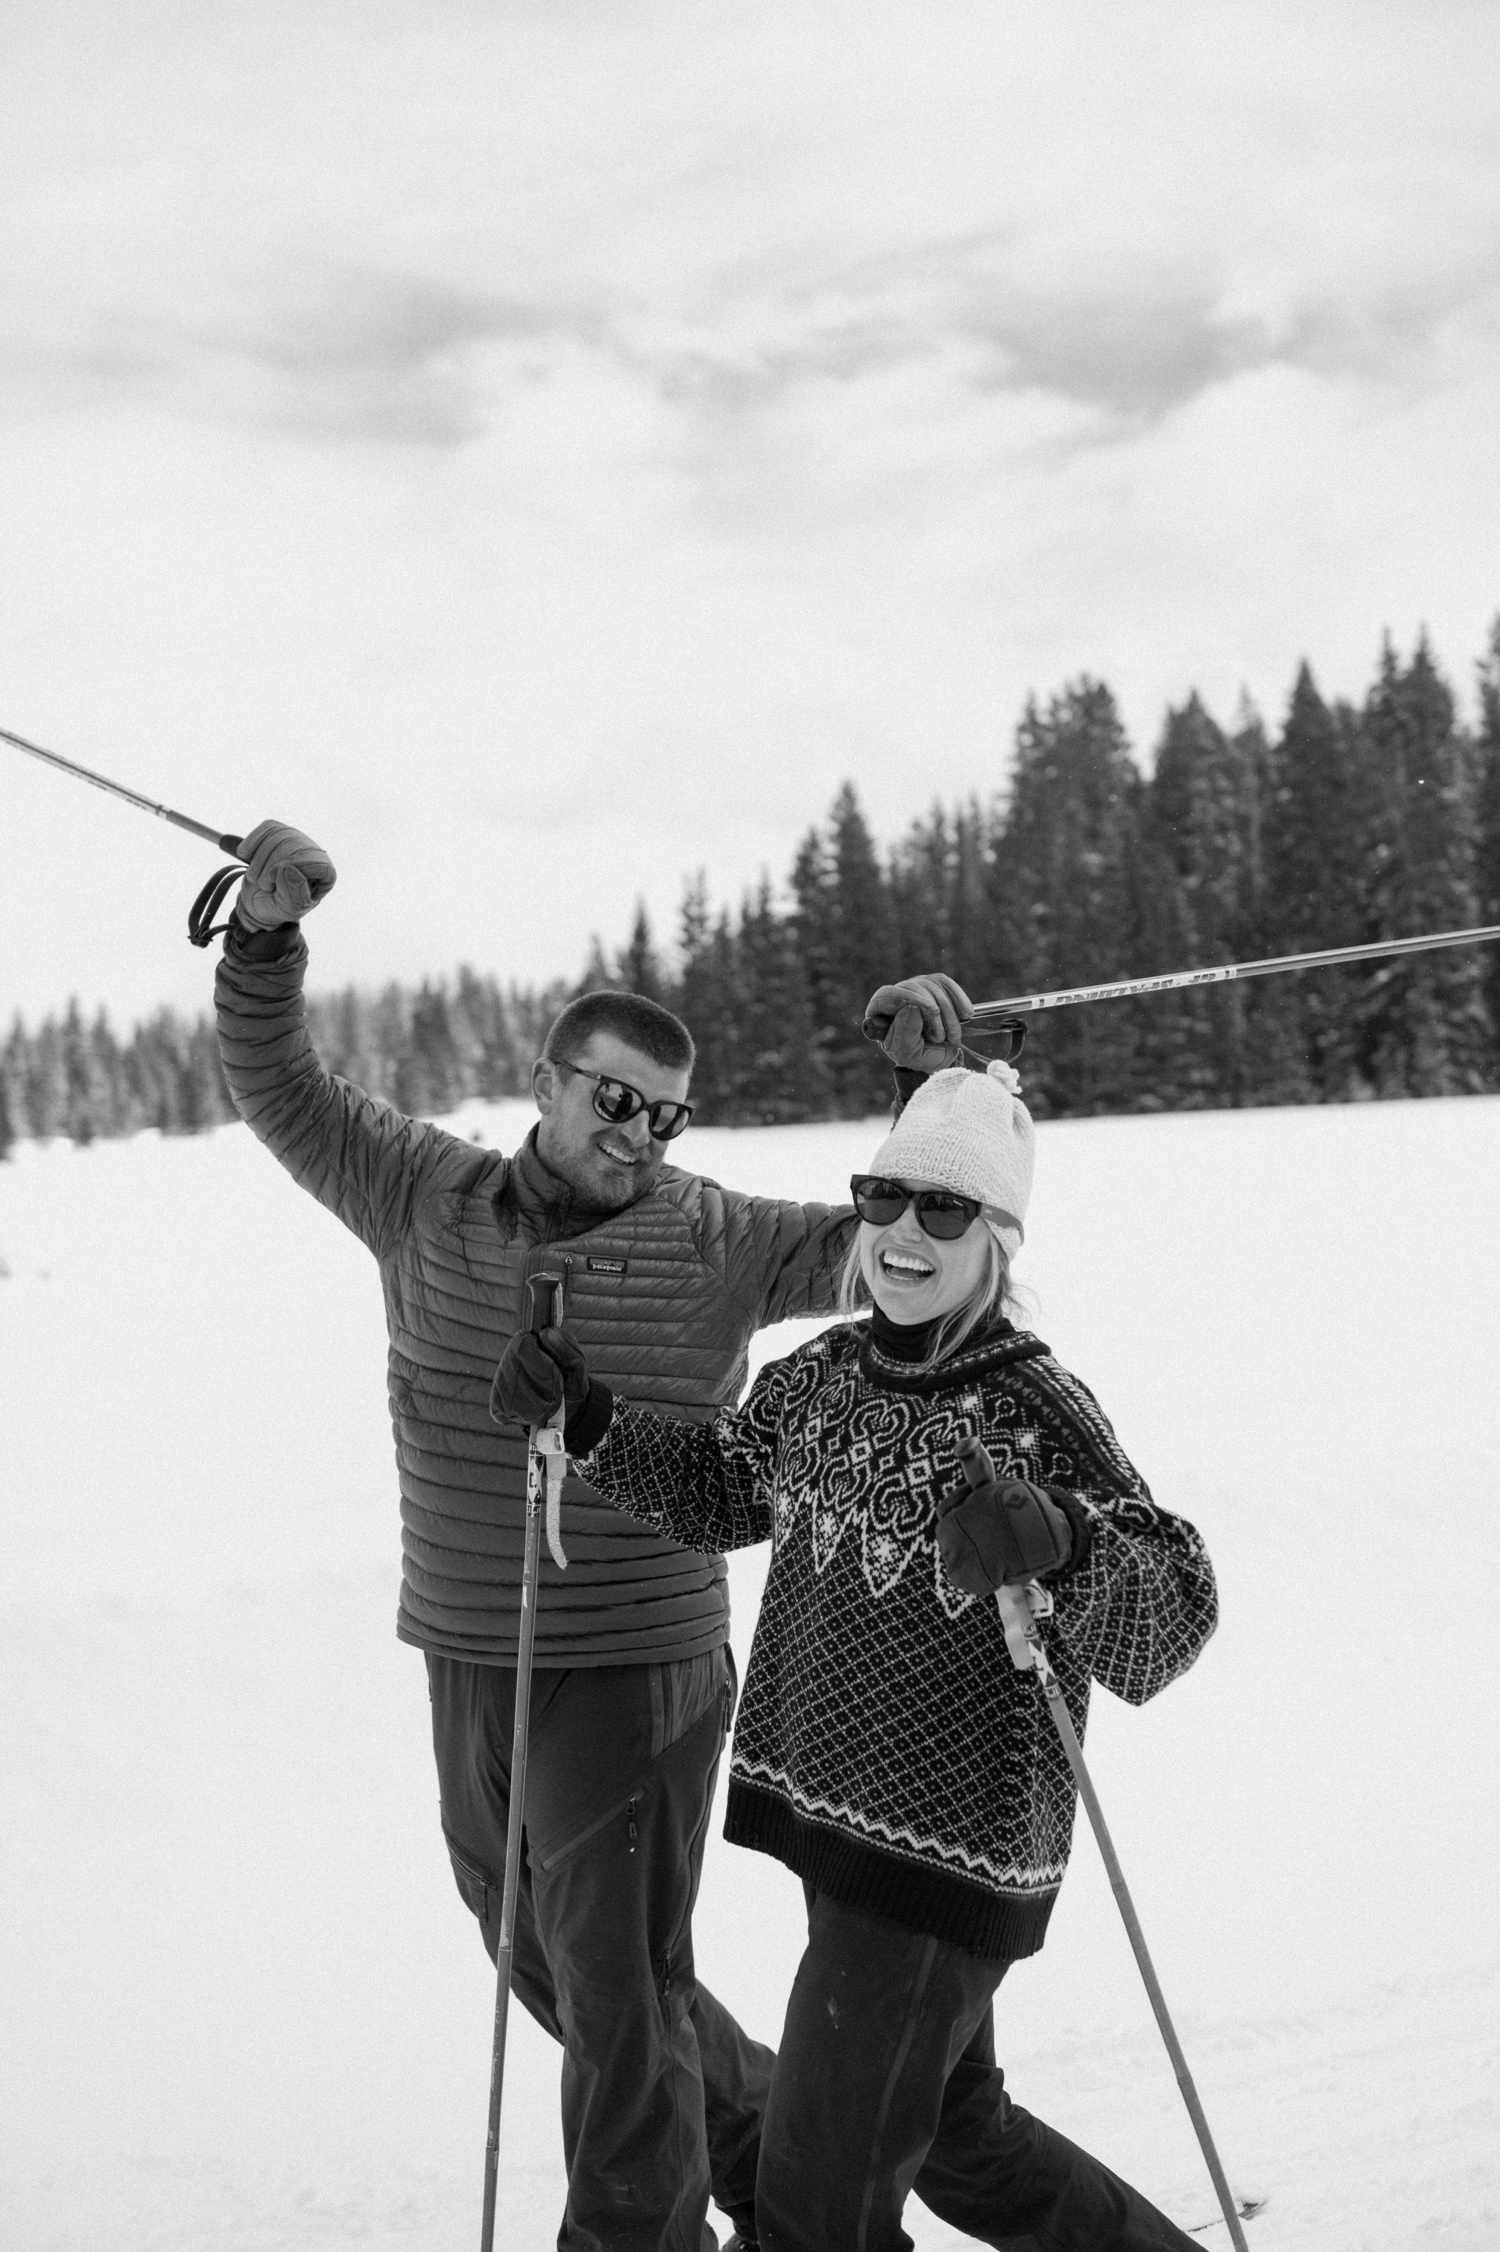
<point x="615" y="1100"/>
<point x="941" y="1213"/>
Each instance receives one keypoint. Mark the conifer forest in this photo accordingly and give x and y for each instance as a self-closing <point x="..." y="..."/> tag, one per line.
<point x="1346" y="825"/>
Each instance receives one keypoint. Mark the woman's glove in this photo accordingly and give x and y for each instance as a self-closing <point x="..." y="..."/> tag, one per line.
<point x="997" y="1532"/>
<point x="286" y="874"/>
<point x="537" y="1370"/>
<point x="919" y="1022"/>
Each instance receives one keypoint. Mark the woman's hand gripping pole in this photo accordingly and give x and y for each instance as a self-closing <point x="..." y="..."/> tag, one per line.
<point x="1020" y="1606"/>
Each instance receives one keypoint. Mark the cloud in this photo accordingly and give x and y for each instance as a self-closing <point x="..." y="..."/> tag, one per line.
<point x="343" y="353"/>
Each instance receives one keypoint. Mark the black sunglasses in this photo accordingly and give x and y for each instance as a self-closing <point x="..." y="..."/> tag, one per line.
<point x="941" y="1213"/>
<point x="615" y="1100"/>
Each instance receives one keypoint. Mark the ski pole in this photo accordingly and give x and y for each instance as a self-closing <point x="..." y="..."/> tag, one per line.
<point x="544" y="1447"/>
<point x="1220" y="973"/>
<point x="118" y="790"/>
<point x="1020" y="1609"/>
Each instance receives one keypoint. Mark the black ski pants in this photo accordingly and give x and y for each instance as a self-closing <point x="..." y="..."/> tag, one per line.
<point x="662" y="2094"/>
<point x="886" y="2071"/>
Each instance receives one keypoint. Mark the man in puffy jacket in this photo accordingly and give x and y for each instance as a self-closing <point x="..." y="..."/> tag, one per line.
<point x="666" y="1278"/>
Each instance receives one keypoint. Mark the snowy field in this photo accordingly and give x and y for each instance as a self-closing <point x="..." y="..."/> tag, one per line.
<point x="243" y="2006"/>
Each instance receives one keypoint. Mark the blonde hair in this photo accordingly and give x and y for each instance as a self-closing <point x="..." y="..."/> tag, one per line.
<point x="990" y="1295"/>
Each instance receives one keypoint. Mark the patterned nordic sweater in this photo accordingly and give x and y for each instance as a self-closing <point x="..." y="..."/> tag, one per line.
<point x="887" y="1750"/>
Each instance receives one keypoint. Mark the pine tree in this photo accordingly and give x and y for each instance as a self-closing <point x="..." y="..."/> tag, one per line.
<point x="340" y="1027"/>
<point x="842" y="932"/>
<point x="1172" y="1057"/>
<point x="1311" y="842"/>
<point x="13" y="1081"/>
<point x="1207" y="808"/>
<point x="1064" y="882"/>
<point x="107" y="1070"/>
<point x="1424" y="1027"/>
<point x="427" y="1076"/>
<point x="639" y="969"/>
<point x="1272" y="1034"/>
<point x="46" y="1083"/>
<point x="532" y="1012"/>
<point x="924" y="896"/>
<point x="707" y="1000"/>
<point x="782" y="1074"/>
<point x="485" y="1038"/>
<point x="87" y="1105"/>
<point x="1486" y="771"/>
<point x="204" y="1099"/>
<point x="597" y="976"/>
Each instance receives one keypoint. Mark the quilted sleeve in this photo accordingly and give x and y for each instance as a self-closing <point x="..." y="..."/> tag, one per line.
<point x="366" y="1162"/>
<point x="782" y="1259"/>
<point x="707" y="1486"/>
<point x="1142" y="1601"/>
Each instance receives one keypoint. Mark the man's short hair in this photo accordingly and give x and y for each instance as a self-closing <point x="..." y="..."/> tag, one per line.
<point x="641" y="1024"/>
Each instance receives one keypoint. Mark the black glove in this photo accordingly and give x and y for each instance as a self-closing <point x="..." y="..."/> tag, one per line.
<point x="286" y="874"/>
<point x="537" y="1369"/>
<point x="919" y="1022"/>
<point x="995" y="1533"/>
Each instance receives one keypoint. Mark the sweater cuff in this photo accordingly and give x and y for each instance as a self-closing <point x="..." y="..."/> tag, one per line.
<point x="907" y="1083"/>
<point x="586" y="1427"/>
<point x="1080" y="1524"/>
<point x="246" y="945"/>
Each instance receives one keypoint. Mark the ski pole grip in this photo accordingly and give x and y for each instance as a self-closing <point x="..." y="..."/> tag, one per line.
<point x="543" y="1302"/>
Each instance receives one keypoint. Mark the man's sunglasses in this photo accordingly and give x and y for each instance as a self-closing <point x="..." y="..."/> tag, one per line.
<point x="941" y="1213"/>
<point x="615" y="1100"/>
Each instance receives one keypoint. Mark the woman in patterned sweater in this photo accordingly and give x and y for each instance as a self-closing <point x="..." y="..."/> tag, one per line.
<point x="887" y="1750"/>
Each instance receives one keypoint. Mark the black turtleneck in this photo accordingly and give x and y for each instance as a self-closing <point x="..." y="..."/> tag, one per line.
<point x="900" y="1340"/>
<point x="912" y="1341"/>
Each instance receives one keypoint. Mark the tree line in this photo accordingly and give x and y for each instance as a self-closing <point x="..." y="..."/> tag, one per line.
<point x="1349" y="824"/>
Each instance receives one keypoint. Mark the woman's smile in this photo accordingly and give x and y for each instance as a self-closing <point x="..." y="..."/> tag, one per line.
<point x="915" y="1277"/>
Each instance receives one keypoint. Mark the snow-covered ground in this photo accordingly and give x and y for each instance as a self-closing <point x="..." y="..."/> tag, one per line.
<point x="242" y="2004"/>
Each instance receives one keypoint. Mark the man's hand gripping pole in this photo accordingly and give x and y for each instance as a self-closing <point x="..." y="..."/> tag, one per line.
<point x="1022" y="1608"/>
<point x="546" y="1456"/>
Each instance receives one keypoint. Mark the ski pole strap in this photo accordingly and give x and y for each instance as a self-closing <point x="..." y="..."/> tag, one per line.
<point x="547" y="1442"/>
<point x="201" y="924"/>
<point x="1021" y="1608"/>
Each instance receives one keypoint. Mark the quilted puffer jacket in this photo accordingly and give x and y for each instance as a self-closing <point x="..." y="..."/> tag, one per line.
<point x="664" y="1296"/>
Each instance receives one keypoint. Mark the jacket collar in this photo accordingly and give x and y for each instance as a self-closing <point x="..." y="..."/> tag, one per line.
<point x="546" y="1204"/>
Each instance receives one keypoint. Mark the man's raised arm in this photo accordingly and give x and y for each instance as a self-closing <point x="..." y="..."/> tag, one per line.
<point x="363" y="1160"/>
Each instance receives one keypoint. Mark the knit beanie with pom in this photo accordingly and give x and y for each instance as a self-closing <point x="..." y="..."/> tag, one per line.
<point x="970" y="1132"/>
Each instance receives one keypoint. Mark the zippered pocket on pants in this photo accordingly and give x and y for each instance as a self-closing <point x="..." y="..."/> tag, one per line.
<point x="475" y="1885"/>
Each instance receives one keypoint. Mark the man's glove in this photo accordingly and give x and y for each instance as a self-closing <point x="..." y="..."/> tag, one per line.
<point x="286" y="875"/>
<point x="537" y="1369"/>
<point x="994" y="1533"/>
<point x="919" y="1022"/>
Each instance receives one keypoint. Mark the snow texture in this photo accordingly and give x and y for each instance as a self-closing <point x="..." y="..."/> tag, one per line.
<point x="244" y="2007"/>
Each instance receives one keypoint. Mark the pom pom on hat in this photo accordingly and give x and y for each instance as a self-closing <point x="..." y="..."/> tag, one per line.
<point x="970" y="1132"/>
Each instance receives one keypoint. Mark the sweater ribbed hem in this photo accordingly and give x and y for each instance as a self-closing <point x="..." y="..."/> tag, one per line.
<point x="1000" y="1928"/>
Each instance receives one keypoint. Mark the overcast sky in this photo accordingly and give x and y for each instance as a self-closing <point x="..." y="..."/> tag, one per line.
<point x="542" y="450"/>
